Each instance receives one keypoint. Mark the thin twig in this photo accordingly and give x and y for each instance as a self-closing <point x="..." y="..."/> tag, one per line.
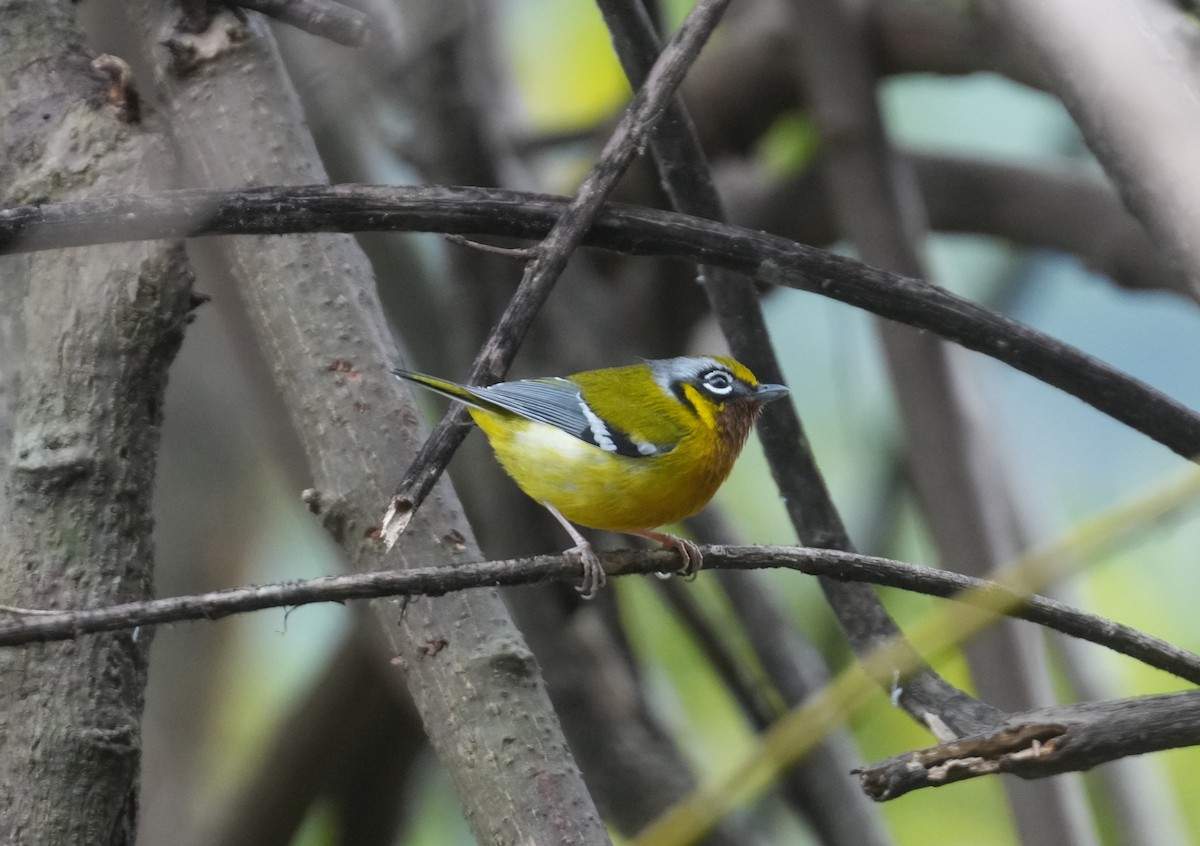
<point x="436" y="581"/>
<point x="687" y="180"/>
<point x="636" y="231"/>
<point x="553" y="253"/>
<point x="515" y="253"/>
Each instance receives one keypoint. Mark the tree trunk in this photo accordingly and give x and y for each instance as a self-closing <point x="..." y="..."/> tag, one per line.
<point x="89" y="334"/>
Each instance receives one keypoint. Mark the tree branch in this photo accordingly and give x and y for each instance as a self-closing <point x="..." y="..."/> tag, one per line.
<point x="687" y="180"/>
<point x="1045" y="742"/>
<point x="323" y="208"/>
<point x="551" y="255"/>
<point x="314" y="307"/>
<point x="437" y="581"/>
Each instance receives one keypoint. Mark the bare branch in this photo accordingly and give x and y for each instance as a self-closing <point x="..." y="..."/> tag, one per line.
<point x="437" y="581"/>
<point x="687" y="179"/>
<point x="323" y="208"/>
<point x="1045" y="742"/>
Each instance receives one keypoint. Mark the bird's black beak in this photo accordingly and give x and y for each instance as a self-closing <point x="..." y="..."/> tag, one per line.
<point x="768" y="392"/>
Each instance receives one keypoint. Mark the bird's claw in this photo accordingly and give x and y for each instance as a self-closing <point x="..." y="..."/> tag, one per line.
<point x="693" y="560"/>
<point x="594" y="576"/>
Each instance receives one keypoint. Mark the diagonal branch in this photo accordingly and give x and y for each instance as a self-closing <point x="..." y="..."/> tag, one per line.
<point x="687" y="179"/>
<point x="551" y="256"/>
<point x="954" y="466"/>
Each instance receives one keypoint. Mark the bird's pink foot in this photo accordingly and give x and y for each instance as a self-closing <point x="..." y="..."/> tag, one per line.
<point x="688" y="551"/>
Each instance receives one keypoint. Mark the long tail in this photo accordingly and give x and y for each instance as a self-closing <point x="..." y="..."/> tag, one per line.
<point x="462" y="393"/>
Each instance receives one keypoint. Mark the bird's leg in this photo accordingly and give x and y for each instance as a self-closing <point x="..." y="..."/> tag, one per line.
<point x="594" y="576"/>
<point x="688" y="551"/>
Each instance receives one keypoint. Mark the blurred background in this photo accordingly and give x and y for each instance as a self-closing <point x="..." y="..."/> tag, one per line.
<point x="522" y="94"/>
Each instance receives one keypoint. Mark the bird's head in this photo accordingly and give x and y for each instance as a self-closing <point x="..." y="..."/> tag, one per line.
<point x="720" y="390"/>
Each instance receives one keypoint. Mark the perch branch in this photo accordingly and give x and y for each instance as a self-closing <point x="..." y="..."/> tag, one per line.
<point x="436" y="581"/>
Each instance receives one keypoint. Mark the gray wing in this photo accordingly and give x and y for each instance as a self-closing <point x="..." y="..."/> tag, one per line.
<point x="559" y="403"/>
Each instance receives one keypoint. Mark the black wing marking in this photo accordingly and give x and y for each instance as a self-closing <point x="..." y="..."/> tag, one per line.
<point x="559" y="403"/>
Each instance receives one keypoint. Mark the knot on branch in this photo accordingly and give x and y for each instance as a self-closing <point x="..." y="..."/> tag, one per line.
<point x="1000" y="751"/>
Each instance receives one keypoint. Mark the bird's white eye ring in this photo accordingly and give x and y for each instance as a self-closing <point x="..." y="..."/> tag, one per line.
<point x="718" y="382"/>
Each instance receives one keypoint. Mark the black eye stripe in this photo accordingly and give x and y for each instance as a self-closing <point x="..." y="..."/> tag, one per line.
<point x="681" y="395"/>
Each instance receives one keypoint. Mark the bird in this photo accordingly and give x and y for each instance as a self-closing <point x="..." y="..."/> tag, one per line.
<point x="623" y="449"/>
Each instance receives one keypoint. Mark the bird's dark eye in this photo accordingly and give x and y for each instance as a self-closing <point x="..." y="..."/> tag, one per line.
<point x="718" y="382"/>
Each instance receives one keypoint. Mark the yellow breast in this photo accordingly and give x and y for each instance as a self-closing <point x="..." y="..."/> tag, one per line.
<point x="597" y="488"/>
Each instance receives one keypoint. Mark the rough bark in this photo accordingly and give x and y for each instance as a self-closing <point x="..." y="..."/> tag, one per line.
<point x="1045" y="742"/>
<point x="313" y="304"/>
<point x="90" y="347"/>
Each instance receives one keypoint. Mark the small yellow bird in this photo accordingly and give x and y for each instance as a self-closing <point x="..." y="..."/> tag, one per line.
<point x="624" y="449"/>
